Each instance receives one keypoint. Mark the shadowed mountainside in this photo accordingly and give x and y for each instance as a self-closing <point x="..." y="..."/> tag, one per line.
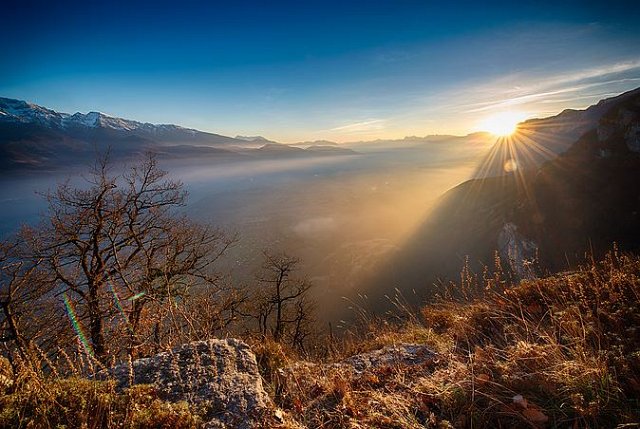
<point x="579" y="202"/>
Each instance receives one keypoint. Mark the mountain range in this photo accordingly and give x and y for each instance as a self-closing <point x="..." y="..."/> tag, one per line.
<point x="33" y="137"/>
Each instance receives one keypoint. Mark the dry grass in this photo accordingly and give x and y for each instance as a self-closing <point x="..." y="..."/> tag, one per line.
<point x="31" y="399"/>
<point x="561" y="351"/>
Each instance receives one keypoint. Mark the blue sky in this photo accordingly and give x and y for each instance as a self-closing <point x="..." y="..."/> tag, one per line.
<point x="310" y="70"/>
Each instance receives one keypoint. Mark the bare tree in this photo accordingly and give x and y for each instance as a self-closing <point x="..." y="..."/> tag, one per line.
<point x="206" y="313"/>
<point x="303" y="325"/>
<point x="16" y="276"/>
<point x="282" y="306"/>
<point x="122" y="256"/>
<point x="27" y="316"/>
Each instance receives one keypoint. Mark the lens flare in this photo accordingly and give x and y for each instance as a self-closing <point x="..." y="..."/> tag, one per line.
<point x="118" y="303"/>
<point x="136" y="296"/>
<point x="510" y="166"/>
<point x="76" y="325"/>
<point x="116" y="299"/>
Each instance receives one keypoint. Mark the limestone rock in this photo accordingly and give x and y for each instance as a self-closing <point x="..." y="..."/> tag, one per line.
<point x="517" y="250"/>
<point x="399" y="354"/>
<point x="220" y="375"/>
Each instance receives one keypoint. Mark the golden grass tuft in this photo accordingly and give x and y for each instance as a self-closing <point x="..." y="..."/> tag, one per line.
<point x="42" y="402"/>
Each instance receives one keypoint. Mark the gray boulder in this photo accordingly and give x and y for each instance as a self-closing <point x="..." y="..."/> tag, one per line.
<point x="221" y="376"/>
<point x="402" y="354"/>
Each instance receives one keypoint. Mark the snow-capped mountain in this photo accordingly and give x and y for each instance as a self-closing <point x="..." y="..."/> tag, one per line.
<point x="23" y="113"/>
<point x="97" y="119"/>
<point x="34" y="137"/>
<point x="28" y="113"/>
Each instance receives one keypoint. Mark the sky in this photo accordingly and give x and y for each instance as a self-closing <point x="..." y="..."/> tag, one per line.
<point x="308" y="70"/>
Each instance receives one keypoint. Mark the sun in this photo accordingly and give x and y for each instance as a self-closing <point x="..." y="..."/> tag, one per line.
<point x="502" y="124"/>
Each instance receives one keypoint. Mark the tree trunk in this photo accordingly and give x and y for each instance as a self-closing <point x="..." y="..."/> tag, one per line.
<point x="95" y="327"/>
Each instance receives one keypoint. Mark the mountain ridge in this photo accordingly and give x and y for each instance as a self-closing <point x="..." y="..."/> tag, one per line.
<point x="539" y="140"/>
<point x="19" y="111"/>
<point x="33" y="137"/>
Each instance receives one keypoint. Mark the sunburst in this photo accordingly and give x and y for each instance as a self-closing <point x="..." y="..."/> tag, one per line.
<point x="502" y="124"/>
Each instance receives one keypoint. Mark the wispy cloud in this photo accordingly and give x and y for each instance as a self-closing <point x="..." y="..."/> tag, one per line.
<point x="547" y="89"/>
<point x="596" y="72"/>
<point x="363" y="126"/>
<point x="600" y="95"/>
<point x="464" y="107"/>
<point x="492" y="105"/>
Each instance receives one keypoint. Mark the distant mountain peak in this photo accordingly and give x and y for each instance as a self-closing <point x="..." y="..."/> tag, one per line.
<point x="91" y="119"/>
<point x="253" y="138"/>
<point x="22" y="111"/>
<point x="272" y="146"/>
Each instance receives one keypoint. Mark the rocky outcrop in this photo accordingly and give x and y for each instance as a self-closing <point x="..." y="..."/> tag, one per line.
<point x="402" y="354"/>
<point x="622" y="125"/>
<point x="632" y="138"/>
<point x="220" y="376"/>
<point x="517" y="250"/>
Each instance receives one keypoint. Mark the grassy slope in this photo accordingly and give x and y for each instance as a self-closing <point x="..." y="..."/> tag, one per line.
<point x="568" y="344"/>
